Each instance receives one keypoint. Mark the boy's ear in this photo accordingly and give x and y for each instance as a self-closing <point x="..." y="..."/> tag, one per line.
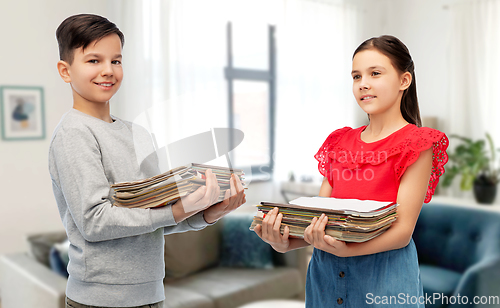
<point x="63" y="69"/>
<point x="405" y="81"/>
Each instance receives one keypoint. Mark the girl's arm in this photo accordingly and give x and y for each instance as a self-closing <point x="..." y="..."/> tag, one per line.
<point x="326" y="189"/>
<point x="269" y="231"/>
<point x="411" y="195"/>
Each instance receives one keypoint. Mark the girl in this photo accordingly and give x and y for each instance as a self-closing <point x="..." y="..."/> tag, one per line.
<point x="393" y="159"/>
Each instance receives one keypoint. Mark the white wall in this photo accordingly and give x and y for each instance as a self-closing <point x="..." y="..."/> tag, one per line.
<point x="424" y="28"/>
<point x="29" y="54"/>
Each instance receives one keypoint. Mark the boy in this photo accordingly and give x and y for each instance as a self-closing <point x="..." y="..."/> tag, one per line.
<point x="116" y="254"/>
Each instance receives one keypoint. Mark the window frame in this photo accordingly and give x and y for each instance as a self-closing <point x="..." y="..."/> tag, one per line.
<point x="268" y="76"/>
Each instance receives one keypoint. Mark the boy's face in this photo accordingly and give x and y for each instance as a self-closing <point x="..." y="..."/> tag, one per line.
<point x="96" y="72"/>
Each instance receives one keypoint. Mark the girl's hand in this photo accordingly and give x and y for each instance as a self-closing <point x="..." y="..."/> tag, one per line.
<point x="315" y="235"/>
<point x="269" y="231"/>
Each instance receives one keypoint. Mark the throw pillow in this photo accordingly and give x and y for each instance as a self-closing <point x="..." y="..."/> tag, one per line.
<point x="190" y="252"/>
<point x="241" y="247"/>
<point x="58" y="258"/>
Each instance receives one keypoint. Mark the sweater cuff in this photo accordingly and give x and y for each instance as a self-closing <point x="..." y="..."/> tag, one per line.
<point x="197" y="221"/>
<point x="162" y="217"/>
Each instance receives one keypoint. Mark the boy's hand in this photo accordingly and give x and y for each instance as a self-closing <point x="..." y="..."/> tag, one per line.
<point x="270" y="233"/>
<point x="234" y="198"/>
<point x="315" y="235"/>
<point x="199" y="200"/>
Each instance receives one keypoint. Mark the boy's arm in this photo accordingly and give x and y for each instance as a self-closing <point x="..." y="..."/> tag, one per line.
<point x="75" y="160"/>
<point x="195" y="222"/>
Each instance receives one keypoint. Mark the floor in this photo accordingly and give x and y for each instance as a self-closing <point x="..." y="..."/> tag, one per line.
<point x="276" y="304"/>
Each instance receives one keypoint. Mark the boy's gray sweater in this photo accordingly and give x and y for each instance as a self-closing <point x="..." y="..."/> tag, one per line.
<point x="116" y="254"/>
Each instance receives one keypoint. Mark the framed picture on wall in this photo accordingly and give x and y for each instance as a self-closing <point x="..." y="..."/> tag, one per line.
<point x="22" y="113"/>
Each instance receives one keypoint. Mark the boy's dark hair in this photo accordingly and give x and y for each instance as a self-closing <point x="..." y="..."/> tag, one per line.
<point x="80" y="30"/>
<point x="400" y="58"/>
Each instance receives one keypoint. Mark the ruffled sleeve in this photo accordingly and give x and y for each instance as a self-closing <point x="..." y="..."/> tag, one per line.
<point x="322" y="154"/>
<point x="420" y="140"/>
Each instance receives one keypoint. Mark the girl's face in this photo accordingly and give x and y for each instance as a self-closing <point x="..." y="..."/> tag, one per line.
<point x="377" y="85"/>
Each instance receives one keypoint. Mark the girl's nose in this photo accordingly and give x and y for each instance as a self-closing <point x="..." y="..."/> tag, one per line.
<point x="363" y="85"/>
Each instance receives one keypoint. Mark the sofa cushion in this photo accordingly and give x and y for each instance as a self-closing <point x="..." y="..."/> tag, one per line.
<point x="455" y="237"/>
<point x="181" y="298"/>
<point x="241" y="247"/>
<point x="190" y="252"/>
<point x="59" y="259"/>
<point x="235" y="287"/>
<point x="438" y="280"/>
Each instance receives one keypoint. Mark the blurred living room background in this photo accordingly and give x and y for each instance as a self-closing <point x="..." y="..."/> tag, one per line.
<point x="278" y="70"/>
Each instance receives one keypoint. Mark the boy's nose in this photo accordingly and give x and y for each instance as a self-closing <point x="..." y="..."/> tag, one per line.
<point x="107" y="70"/>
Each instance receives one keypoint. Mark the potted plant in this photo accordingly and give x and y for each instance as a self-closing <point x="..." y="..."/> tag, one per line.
<point x="477" y="167"/>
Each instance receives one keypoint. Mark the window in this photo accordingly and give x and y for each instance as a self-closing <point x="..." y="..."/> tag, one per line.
<point x="251" y="97"/>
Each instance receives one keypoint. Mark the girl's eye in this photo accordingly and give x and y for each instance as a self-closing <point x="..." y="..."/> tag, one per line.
<point x="355" y="77"/>
<point x="116" y="62"/>
<point x="93" y="61"/>
<point x="375" y="73"/>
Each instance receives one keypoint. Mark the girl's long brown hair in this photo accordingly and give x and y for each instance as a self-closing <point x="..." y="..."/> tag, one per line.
<point x="400" y="57"/>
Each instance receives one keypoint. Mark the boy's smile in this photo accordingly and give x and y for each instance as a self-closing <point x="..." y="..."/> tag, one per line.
<point x="96" y="73"/>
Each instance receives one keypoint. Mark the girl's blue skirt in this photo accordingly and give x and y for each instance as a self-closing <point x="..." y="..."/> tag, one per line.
<point x="386" y="279"/>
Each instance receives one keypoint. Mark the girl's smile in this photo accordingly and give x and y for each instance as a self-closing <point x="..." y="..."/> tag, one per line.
<point x="367" y="98"/>
<point x="377" y="85"/>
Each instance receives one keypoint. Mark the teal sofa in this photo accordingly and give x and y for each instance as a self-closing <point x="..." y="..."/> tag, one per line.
<point x="459" y="253"/>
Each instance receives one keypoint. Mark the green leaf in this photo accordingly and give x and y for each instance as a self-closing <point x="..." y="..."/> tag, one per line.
<point x="492" y="146"/>
<point x="469" y="159"/>
<point x="467" y="181"/>
<point x="464" y="139"/>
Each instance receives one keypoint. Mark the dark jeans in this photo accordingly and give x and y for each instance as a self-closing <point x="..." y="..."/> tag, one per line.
<point x="73" y="304"/>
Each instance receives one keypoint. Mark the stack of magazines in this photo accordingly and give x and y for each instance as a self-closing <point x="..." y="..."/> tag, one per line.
<point x="168" y="187"/>
<point x="349" y="220"/>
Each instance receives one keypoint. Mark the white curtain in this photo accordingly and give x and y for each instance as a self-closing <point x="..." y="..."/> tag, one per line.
<point x="145" y="77"/>
<point x="473" y="77"/>
<point x="474" y="65"/>
<point x="197" y="57"/>
<point x="315" y="45"/>
<point x="176" y="84"/>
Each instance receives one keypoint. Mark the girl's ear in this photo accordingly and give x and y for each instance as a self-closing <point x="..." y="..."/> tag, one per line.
<point x="63" y="69"/>
<point x="405" y="81"/>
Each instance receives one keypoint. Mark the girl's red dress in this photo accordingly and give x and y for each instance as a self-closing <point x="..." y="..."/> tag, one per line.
<point x="372" y="171"/>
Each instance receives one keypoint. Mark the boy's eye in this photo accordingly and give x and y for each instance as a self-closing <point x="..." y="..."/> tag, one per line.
<point x="356" y="77"/>
<point x="116" y="62"/>
<point x="93" y="61"/>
